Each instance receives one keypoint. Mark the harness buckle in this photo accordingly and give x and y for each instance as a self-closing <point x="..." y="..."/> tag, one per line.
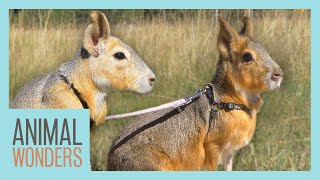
<point x="230" y="106"/>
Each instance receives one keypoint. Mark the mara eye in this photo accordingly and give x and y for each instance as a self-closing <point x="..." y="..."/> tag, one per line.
<point x="247" y="57"/>
<point x="119" y="56"/>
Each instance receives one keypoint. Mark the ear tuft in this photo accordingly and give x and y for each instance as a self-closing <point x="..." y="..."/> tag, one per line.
<point x="101" y="28"/>
<point x="227" y="31"/>
<point x="97" y="29"/>
<point x="227" y="36"/>
<point x="247" y="28"/>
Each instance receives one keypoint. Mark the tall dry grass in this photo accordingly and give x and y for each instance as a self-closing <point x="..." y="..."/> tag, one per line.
<point x="182" y="52"/>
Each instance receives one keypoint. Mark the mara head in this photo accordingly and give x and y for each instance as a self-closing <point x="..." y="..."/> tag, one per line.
<point x="113" y="63"/>
<point x="250" y="66"/>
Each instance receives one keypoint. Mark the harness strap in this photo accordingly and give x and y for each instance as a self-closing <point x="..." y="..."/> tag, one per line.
<point x="210" y="97"/>
<point x="215" y="107"/>
<point x="77" y="93"/>
<point x="231" y="106"/>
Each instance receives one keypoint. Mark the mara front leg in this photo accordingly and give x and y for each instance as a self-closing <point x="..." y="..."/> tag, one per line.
<point x="213" y="156"/>
<point x="212" y="162"/>
<point x="227" y="160"/>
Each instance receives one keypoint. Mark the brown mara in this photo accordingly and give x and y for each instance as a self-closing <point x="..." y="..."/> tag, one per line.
<point x="196" y="138"/>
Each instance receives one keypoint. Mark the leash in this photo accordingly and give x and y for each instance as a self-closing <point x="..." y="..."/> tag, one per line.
<point x="181" y="103"/>
<point x="174" y="104"/>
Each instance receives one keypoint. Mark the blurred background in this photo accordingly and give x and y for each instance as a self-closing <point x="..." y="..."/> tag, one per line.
<point x="180" y="47"/>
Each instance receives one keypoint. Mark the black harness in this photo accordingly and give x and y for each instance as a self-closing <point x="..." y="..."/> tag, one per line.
<point x="216" y="106"/>
<point x="77" y="93"/>
<point x="228" y="106"/>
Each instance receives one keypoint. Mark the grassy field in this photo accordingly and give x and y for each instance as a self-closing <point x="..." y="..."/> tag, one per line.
<point x="182" y="52"/>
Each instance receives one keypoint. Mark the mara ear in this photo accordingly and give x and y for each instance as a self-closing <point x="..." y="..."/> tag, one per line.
<point x="98" y="28"/>
<point x="226" y="38"/>
<point x="247" y="28"/>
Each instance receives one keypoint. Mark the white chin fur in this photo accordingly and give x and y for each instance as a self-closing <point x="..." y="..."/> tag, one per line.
<point x="102" y="83"/>
<point x="274" y="85"/>
<point x="142" y="86"/>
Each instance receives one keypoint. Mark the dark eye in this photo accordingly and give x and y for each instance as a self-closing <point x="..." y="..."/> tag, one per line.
<point x="247" y="57"/>
<point x="119" y="56"/>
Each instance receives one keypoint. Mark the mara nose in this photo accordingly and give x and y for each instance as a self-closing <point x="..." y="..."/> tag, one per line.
<point x="152" y="79"/>
<point x="277" y="74"/>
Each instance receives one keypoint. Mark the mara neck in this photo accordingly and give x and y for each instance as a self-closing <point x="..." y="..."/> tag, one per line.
<point x="77" y="73"/>
<point x="227" y="91"/>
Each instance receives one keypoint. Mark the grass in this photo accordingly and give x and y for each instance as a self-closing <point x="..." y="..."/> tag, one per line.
<point x="182" y="52"/>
